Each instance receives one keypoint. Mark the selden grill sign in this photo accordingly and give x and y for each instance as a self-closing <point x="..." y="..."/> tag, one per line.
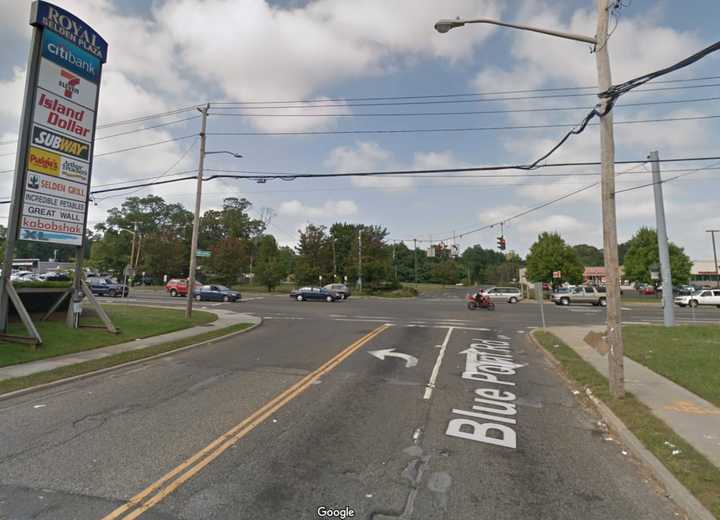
<point x="57" y="164"/>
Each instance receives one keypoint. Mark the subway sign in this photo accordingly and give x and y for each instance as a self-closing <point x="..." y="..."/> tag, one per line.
<point x="62" y="100"/>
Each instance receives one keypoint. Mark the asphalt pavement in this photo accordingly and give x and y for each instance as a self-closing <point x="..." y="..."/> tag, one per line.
<point x="413" y="409"/>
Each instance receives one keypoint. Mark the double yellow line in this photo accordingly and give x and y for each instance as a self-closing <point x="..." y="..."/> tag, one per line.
<point x="167" y="484"/>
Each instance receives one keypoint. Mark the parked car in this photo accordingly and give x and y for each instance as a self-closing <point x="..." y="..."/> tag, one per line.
<point x="215" y="293"/>
<point x="106" y="287"/>
<point x="23" y="276"/>
<point x="504" y="294"/>
<point x="340" y="288"/>
<point x="648" y="290"/>
<point x="178" y="286"/>
<point x="54" y="276"/>
<point x="704" y="297"/>
<point x="314" y="293"/>
<point x="584" y="294"/>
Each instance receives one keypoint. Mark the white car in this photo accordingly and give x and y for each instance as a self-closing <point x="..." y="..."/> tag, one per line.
<point x="703" y="297"/>
<point x="23" y="276"/>
<point x="504" y="294"/>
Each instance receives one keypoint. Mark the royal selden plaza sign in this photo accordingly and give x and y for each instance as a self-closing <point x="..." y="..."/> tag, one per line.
<point x="56" y="164"/>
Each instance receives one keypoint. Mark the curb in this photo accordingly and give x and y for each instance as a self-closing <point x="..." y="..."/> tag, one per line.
<point x="23" y="391"/>
<point x="675" y="489"/>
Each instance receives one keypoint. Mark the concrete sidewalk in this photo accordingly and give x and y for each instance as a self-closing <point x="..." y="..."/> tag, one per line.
<point x="693" y="418"/>
<point x="225" y="319"/>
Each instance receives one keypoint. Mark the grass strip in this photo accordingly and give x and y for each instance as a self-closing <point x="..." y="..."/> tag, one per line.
<point x="131" y="321"/>
<point x="19" y="383"/>
<point x="690" y="467"/>
<point x="688" y="355"/>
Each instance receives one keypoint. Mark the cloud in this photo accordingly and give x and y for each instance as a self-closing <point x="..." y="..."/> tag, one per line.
<point x="331" y="209"/>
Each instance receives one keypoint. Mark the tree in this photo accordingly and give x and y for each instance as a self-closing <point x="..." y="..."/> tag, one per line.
<point x="506" y="272"/>
<point x="589" y="256"/>
<point x="643" y="254"/>
<point x="232" y="221"/>
<point x="550" y="253"/>
<point x="480" y="263"/>
<point x="229" y="258"/>
<point x="269" y="269"/>
<point x="314" y="255"/>
<point x="448" y="272"/>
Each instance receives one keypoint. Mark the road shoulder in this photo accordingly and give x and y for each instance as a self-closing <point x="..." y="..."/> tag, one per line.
<point x="690" y="478"/>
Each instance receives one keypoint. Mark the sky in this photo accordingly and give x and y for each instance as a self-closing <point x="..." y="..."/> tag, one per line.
<point x="170" y="54"/>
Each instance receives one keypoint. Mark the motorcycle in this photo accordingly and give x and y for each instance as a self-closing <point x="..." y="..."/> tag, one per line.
<point x="483" y="301"/>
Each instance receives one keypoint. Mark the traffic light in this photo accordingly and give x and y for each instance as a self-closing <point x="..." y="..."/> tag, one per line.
<point x="501" y="243"/>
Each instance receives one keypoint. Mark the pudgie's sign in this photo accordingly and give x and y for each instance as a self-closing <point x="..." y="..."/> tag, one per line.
<point x="56" y="164"/>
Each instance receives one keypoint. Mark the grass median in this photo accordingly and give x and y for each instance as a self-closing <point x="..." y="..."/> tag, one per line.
<point x="131" y="321"/>
<point x="689" y="355"/>
<point x="690" y="467"/>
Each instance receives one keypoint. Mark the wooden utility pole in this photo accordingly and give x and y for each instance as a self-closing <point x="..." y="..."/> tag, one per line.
<point x="196" y="219"/>
<point x="610" y="246"/>
<point x="415" y="257"/>
<point x="360" y="280"/>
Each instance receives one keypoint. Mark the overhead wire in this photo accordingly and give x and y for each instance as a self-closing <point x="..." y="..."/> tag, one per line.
<point x="450" y="95"/>
<point x="463" y="112"/>
<point x="167" y="171"/>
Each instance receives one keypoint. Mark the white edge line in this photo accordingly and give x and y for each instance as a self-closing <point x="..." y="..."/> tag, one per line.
<point x="438" y="362"/>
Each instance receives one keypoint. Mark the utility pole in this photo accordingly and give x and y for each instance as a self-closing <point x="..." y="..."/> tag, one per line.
<point x="607" y="144"/>
<point x="663" y="248"/>
<point x="616" y="370"/>
<point x="360" y="283"/>
<point x="717" y="273"/>
<point x="196" y="219"/>
<point x="334" y="262"/>
<point x="415" y="257"/>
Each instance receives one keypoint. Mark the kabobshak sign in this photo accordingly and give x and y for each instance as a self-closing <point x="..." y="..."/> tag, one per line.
<point x="59" y="139"/>
<point x="53" y="168"/>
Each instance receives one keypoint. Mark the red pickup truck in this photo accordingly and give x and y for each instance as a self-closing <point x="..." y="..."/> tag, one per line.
<point x="179" y="286"/>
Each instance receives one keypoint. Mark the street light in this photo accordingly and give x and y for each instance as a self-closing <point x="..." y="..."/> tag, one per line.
<point x="443" y="26"/>
<point x="196" y="219"/>
<point x="607" y="144"/>
<point x="236" y="155"/>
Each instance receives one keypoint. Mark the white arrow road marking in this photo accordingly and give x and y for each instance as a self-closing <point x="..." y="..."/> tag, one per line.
<point x="500" y="336"/>
<point x="436" y="368"/>
<point x="410" y="361"/>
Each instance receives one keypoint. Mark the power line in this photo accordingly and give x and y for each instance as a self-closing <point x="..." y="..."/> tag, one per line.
<point x="157" y="143"/>
<point x="163" y="174"/>
<point x="447" y="95"/>
<point x="527" y="211"/>
<point x="143" y="129"/>
<point x="240" y="106"/>
<point x="464" y="112"/>
<point x="456" y="129"/>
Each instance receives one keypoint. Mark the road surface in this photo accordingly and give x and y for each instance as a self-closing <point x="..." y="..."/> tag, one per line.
<point x="412" y="409"/>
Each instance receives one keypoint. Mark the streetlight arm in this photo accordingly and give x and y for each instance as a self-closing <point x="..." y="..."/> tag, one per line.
<point x="237" y="155"/>
<point x="443" y="26"/>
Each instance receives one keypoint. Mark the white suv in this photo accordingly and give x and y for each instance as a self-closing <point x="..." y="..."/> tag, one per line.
<point x="703" y="297"/>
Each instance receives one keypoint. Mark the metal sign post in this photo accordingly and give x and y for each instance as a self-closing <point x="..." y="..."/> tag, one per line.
<point x="57" y="131"/>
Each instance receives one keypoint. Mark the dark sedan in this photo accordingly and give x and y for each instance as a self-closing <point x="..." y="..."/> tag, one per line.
<point x="215" y="293"/>
<point x="106" y="287"/>
<point x="314" y="293"/>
